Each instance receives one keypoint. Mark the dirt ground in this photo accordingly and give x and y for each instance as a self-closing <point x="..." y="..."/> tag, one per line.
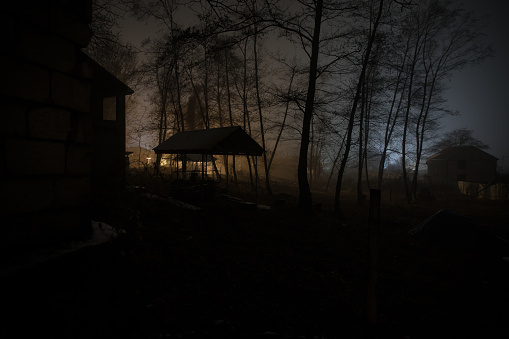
<point x="234" y="271"/>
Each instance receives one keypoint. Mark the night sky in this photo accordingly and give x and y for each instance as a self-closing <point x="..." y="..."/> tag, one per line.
<point x="480" y="94"/>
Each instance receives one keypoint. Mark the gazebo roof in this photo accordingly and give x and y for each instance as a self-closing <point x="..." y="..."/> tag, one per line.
<point x="223" y="140"/>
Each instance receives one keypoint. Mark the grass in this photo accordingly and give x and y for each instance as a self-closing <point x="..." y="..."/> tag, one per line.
<point x="229" y="270"/>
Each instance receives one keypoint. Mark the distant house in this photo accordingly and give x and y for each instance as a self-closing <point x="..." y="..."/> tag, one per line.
<point x="62" y="125"/>
<point x="462" y="163"/>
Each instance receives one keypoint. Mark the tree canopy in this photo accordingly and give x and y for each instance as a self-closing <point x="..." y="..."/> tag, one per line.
<point x="457" y="137"/>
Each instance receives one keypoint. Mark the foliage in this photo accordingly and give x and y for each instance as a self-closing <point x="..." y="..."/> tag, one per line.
<point x="121" y="59"/>
<point x="457" y="137"/>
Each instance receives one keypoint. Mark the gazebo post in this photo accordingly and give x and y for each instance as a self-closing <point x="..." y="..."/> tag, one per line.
<point x="184" y="166"/>
<point x="202" y="185"/>
<point x="177" y="166"/>
<point x="202" y="169"/>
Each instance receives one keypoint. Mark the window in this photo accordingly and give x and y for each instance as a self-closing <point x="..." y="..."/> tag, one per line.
<point x="110" y="108"/>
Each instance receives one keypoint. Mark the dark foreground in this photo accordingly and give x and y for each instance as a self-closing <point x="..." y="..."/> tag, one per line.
<point x="231" y="270"/>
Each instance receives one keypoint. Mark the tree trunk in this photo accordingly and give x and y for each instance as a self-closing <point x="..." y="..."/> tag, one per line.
<point x="179" y="97"/>
<point x="230" y="114"/>
<point x="162" y="89"/>
<point x="360" y="197"/>
<point x="366" y="133"/>
<point x="407" y="117"/>
<point x="420" y="136"/>
<point x="334" y="163"/>
<point x="391" y="120"/>
<point x="337" y="200"/>
<point x="247" y="123"/>
<point x="305" y="202"/>
<point x="259" y="102"/>
<point x="218" y="97"/>
<point x="284" y="120"/>
<point x="206" y="91"/>
<point x="197" y="94"/>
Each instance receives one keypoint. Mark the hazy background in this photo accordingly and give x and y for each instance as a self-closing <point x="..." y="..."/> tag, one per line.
<point x="480" y="94"/>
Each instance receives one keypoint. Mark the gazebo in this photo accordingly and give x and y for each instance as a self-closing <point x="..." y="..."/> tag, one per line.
<point x="209" y="142"/>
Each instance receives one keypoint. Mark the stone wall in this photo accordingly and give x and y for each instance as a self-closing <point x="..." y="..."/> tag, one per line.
<point x="45" y="123"/>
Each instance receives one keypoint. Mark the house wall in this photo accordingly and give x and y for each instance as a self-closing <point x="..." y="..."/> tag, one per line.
<point x="473" y="170"/>
<point x="447" y="171"/>
<point x="438" y="171"/>
<point x="45" y="123"/>
<point x="481" y="171"/>
<point x="108" y="156"/>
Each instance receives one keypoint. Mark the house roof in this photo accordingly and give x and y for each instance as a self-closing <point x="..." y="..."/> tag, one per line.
<point x="106" y="83"/>
<point x="462" y="153"/>
<point x="223" y="140"/>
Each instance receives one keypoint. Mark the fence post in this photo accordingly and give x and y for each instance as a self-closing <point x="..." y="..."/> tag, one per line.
<point x="373" y="228"/>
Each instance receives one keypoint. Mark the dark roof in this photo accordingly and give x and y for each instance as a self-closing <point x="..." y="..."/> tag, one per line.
<point x="106" y="83"/>
<point x="223" y="140"/>
<point x="462" y="153"/>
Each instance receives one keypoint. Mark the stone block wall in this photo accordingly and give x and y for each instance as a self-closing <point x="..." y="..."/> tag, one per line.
<point x="45" y="123"/>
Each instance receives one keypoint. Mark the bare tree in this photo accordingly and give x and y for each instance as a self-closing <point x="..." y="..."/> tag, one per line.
<point x="397" y="86"/>
<point x="446" y="39"/>
<point x="259" y="104"/>
<point x="365" y="59"/>
<point x="457" y="137"/>
<point x="301" y="23"/>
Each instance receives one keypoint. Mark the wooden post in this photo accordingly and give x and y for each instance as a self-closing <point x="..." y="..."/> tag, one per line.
<point x="374" y="227"/>
<point x="202" y="169"/>
<point x="227" y="172"/>
<point x="256" y="179"/>
<point x="202" y="185"/>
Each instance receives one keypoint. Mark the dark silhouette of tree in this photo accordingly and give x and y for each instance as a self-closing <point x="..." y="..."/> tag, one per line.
<point x="457" y="137"/>
<point x="396" y="89"/>
<point x="302" y="24"/>
<point x="305" y="202"/>
<point x="370" y="74"/>
<point x="313" y="25"/>
<point x="446" y="40"/>
<point x="365" y="61"/>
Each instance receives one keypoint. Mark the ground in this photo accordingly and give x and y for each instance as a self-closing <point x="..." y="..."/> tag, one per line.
<point x="231" y="270"/>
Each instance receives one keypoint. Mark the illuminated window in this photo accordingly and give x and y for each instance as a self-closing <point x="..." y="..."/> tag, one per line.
<point x="110" y="108"/>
